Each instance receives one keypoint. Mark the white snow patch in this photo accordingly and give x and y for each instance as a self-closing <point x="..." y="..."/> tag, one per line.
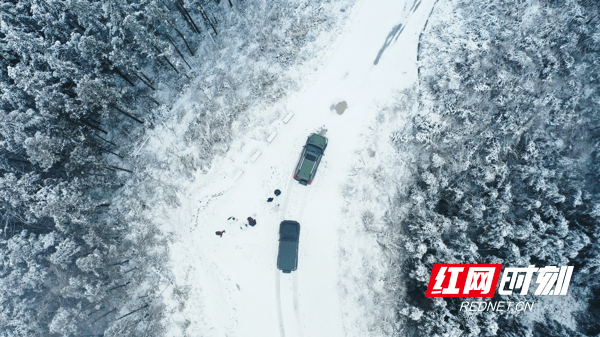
<point x="229" y="285"/>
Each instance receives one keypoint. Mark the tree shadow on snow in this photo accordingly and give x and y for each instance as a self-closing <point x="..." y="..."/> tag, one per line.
<point x="395" y="33"/>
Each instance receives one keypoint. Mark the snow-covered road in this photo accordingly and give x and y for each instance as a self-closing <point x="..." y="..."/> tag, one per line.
<point x="233" y="286"/>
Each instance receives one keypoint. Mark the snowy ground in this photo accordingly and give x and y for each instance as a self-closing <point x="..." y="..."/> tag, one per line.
<point x="230" y="285"/>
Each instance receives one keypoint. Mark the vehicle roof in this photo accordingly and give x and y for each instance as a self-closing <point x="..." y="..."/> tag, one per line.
<point x="288" y="255"/>
<point x="306" y="168"/>
<point x="317" y="140"/>
<point x="290" y="228"/>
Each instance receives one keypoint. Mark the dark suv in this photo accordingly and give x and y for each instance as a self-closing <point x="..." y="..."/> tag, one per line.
<point x="310" y="159"/>
<point x="289" y="237"/>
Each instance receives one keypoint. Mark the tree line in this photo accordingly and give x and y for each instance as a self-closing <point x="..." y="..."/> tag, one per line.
<point x="509" y="137"/>
<point x="76" y="82"/>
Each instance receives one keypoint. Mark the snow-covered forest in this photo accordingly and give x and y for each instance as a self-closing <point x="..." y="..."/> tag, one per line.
<point x="503" y="148"/>
<point x="83" y="86"/>
<point x="110" y="110"/>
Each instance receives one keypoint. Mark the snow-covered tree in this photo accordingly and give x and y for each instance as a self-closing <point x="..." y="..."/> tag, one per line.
<point x="509" y="124"/>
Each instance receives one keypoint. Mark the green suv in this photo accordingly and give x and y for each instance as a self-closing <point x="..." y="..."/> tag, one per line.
<point x="310" y="159"/>
<point x="289" y="237"/>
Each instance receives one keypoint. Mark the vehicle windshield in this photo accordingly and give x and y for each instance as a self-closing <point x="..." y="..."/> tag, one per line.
<point x="314" y="149"/>
<point x="311" y="157"/>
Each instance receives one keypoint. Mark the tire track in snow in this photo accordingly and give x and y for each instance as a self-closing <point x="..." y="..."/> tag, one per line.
<point x="287" y="199"/>
<point x="296" y="305"/>
<point x="290" y="319"/>
<point x="304" y="232"/>
<point x="278" y="298"/>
